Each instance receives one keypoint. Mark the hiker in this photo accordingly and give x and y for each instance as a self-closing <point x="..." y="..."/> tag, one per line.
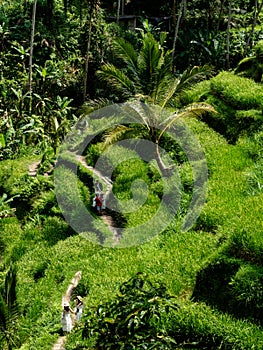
<point x="98" y="203"/>
<point x="94" y="202"/>
<point x="66" y="320"/>
<point x="78" y="307"/>
<point x="98" y="186"/>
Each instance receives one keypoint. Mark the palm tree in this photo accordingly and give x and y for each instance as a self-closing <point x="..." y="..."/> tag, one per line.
<point x="152" y="122"/>
<point x="147" y="74"/>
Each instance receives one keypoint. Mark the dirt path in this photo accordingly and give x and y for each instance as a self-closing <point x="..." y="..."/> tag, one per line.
<point x="32" y="169"/>
<point x="107" y="218"/>
<point x="60" y="344"/>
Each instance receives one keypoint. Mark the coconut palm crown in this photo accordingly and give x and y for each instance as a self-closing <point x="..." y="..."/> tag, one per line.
<point x="147" y="75"/>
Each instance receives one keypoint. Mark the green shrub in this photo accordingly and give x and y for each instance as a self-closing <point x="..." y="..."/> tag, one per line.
<point x="253" y="145"/>
<point x="45" y="204"/>
<point x="92" y="154"/>
<point x="143" y="315"/>
<point x="55" y="229"/>
<point x="238" y="102"/>
<point x="246" y="289"/>
<point x="13" y="170"/>
<point x="255" y="179"/>
<point x="11" y="232"/>
<point x="237" y="92"/>
<point x="133" y="319"/>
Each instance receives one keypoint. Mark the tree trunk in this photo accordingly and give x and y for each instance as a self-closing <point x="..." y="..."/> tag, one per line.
<point x="228" y="34"/>
<point x="257" y="11"/>
<point x="118" y="11"/>
<point x="174" y="12"/>
<point x="222" y="3"/>
<point x="166" y="171"/>
<point x="122" y="7"/>
<point x="93" y="5"/>
<point x="181" y="9"/>
<point x="31" y="55"/>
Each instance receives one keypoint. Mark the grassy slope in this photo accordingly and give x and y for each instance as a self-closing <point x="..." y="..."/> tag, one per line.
<point x="171" y="258"/>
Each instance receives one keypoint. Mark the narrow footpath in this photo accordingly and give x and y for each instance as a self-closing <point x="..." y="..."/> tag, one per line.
<point x="106" y="217"/>
<point x="60" y="344"/>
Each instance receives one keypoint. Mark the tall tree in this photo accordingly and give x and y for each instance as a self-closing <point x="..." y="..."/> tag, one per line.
<point x="228" y="34"/>
<point x="118" y="10"/>
<point x="31" y="53"/>
<point x="257" y="10"/>
<point x="177" y="24"/>
<point x="93" y="8"/>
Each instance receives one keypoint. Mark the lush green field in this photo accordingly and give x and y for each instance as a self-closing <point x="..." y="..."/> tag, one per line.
<point x="213" y="271"/>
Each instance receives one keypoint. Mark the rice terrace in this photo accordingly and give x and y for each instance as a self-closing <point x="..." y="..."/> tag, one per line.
<point x="131" y="175"/>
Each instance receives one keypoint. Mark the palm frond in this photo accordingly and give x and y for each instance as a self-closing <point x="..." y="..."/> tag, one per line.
<point x="192" y="76"/>
<point x="9" y="311"/>
<point x="196" y="110"/>
<point x="149" y="62"/>
<point x="164" y="81"/>
<point x="192" y="110"/>
<point x="3" y="314"/>
<point x="93" y="105"/>
<point x="139" y="113"/>
<point x="10" y="286"/>
<point x="114" y="135"/>
<point x="126" y="52"/>
<point x="117" y="80"/>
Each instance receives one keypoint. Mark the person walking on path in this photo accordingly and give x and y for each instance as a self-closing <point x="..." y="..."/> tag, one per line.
<point x="66" y="320"/>
<point x="98" y="203"/>
<point x="98" y="186"/>
<point x="78" y="307"/>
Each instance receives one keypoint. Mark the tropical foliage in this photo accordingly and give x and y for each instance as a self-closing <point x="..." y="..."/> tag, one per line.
<point x="198" y="289"/>
<point x="147" y="75"/>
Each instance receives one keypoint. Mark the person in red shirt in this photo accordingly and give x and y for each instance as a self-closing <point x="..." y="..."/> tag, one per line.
<point x="98" y="201"/>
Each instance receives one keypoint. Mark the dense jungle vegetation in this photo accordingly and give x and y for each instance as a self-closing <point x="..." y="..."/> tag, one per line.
<point x="187" y="68"/>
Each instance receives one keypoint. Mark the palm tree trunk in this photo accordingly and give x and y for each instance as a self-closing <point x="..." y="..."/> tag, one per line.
<point x="163" y="168"/>
<point x="31" y="55"/>
<point x="174" y="12"/>
<point x="122" y="7"/>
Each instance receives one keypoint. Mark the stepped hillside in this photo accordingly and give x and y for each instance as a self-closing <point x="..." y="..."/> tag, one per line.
<point x="199" y="289"/>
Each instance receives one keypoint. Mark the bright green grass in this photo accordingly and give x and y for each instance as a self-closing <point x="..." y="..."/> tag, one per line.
<point x="172" y="258"/>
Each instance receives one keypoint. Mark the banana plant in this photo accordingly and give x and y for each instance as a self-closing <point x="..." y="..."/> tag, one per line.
<point x="9" y="311"/>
